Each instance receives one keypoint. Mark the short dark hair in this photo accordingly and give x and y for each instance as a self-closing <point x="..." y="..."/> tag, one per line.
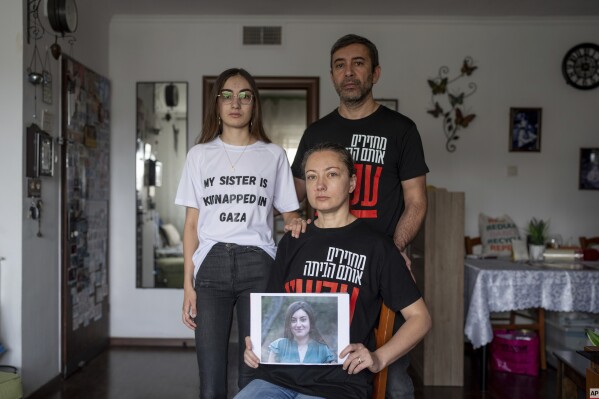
<point x="355" y="39"/>
<point x="340" y="150"/>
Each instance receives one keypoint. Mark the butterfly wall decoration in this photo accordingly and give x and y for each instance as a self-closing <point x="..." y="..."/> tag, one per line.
<point x="448" y="100"/>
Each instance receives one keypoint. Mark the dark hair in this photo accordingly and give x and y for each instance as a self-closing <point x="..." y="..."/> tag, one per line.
<point x="355" y="39"/>
<point x="340" y="150"/>
<point x="212" y="128"/>
<point x="306" y="307"/>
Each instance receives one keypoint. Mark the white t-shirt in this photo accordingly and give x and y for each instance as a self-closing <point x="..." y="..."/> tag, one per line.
<point x="236" y="206"/>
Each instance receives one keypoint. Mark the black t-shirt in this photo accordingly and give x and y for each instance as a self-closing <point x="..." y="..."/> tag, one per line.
<point x="386" y="148"/>
<point x="354" y="259"/>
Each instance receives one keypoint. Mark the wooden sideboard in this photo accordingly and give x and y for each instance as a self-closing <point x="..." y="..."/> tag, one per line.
<point x="437" y="255"/>
<point x="592" y="377"/>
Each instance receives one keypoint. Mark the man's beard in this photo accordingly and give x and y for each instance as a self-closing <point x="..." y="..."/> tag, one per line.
<point x="355" y="97"/>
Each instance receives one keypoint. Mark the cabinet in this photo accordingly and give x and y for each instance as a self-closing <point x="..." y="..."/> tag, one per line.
<point x="437" y="255"/>
<point x="592" y="376"/>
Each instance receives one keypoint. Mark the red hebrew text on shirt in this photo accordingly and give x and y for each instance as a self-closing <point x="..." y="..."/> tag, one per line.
<point x="343" y="270"/>
<point x="368" y="153"/>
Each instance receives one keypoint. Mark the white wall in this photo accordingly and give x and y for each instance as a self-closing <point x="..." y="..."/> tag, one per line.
<point x="519" y="65"/>
<point x="41" y="262"/>
<point x="30" y="292"/>
<point x="11" y="182"/>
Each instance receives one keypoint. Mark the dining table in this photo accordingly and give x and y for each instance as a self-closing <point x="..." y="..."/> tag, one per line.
<point x="501" y="285"/>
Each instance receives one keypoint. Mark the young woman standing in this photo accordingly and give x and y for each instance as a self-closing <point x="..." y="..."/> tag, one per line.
<point x="232" y="181"/>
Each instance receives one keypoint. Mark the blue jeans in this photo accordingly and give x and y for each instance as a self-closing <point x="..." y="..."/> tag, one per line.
<point x="225" y="279"/>
<point x="399" y="383"/>
<point x="260" y="389"/>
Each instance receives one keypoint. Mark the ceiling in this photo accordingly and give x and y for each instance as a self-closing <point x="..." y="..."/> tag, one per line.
<point x="467" y="8"/>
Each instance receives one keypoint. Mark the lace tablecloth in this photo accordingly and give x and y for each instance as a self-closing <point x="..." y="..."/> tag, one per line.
<point x="494" y="285"/>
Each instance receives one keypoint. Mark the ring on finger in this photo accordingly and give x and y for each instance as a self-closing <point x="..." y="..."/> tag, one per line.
<point x="359" y="360"/>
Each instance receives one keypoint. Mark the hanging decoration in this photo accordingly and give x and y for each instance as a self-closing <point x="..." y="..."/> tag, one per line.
<point x="447" y="100"/>
<point x="176" y="137"/>
<point x="35" y="30"/>
<point x="47" y="79"/>
<point x="55" y="48"/>
<point x="34" y="75"/>
<point x="62" y="18"/>
<point x="63" y="12"/>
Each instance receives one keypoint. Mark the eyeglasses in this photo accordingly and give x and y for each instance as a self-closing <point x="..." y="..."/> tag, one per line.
<point x="245" y="97"/>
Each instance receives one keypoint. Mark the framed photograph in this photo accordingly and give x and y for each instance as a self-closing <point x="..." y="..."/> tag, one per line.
<point x="299" y="329"/>
<point x="525" y="129"/>
<point x="90" y="136"/>
<point x="388" y="102"/>
<point x="40" y="152"/>
<point x="589" y="169"/>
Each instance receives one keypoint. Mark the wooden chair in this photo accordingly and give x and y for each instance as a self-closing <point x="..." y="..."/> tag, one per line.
<point x="384" y="332"/>
<point x="470" y="243"/>
<point x="587" y="242"/>
<point x="537" y="320"/>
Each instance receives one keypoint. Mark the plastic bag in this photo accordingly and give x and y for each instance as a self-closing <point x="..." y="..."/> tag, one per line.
<point x="515" y="352"/>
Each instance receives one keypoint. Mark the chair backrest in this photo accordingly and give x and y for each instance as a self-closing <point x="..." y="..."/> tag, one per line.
<point x="384" y="332"/>
<point x="470" y="242"/>
<point x="587" y="242"/>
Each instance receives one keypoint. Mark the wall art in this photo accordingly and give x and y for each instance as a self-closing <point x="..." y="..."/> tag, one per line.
<point x="589" y="169"/>
<point x="525" y="130"/>
<point x="448" y="100"/>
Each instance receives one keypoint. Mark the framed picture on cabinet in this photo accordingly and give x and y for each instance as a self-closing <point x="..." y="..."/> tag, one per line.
<point x="525" y="129"/>
<point x="589" y="169"/>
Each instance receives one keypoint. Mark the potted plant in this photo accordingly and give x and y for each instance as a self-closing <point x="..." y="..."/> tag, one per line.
<point x="593" y="336"/>
<point x="537" y="235"/>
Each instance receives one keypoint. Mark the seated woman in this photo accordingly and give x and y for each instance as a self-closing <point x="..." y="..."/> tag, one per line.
<point x="354" y="259"/>
<point x="302" y="342"/>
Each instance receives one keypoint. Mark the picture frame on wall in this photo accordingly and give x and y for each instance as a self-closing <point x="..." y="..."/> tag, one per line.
<point x="589" y="169"/>
<point x="525" y="129"/>
<point x="390" y="103"/>
<point x="40" y="152"/>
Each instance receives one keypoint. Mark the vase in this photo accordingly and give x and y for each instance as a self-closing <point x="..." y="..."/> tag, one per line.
<point x="535" y="252"/>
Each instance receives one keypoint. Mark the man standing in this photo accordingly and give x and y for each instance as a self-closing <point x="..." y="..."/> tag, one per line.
<point x="387" y="150"/>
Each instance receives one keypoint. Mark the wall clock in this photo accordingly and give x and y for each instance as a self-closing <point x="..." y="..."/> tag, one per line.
<point x="580" y="66"/>
<point x="62" y="15"/>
